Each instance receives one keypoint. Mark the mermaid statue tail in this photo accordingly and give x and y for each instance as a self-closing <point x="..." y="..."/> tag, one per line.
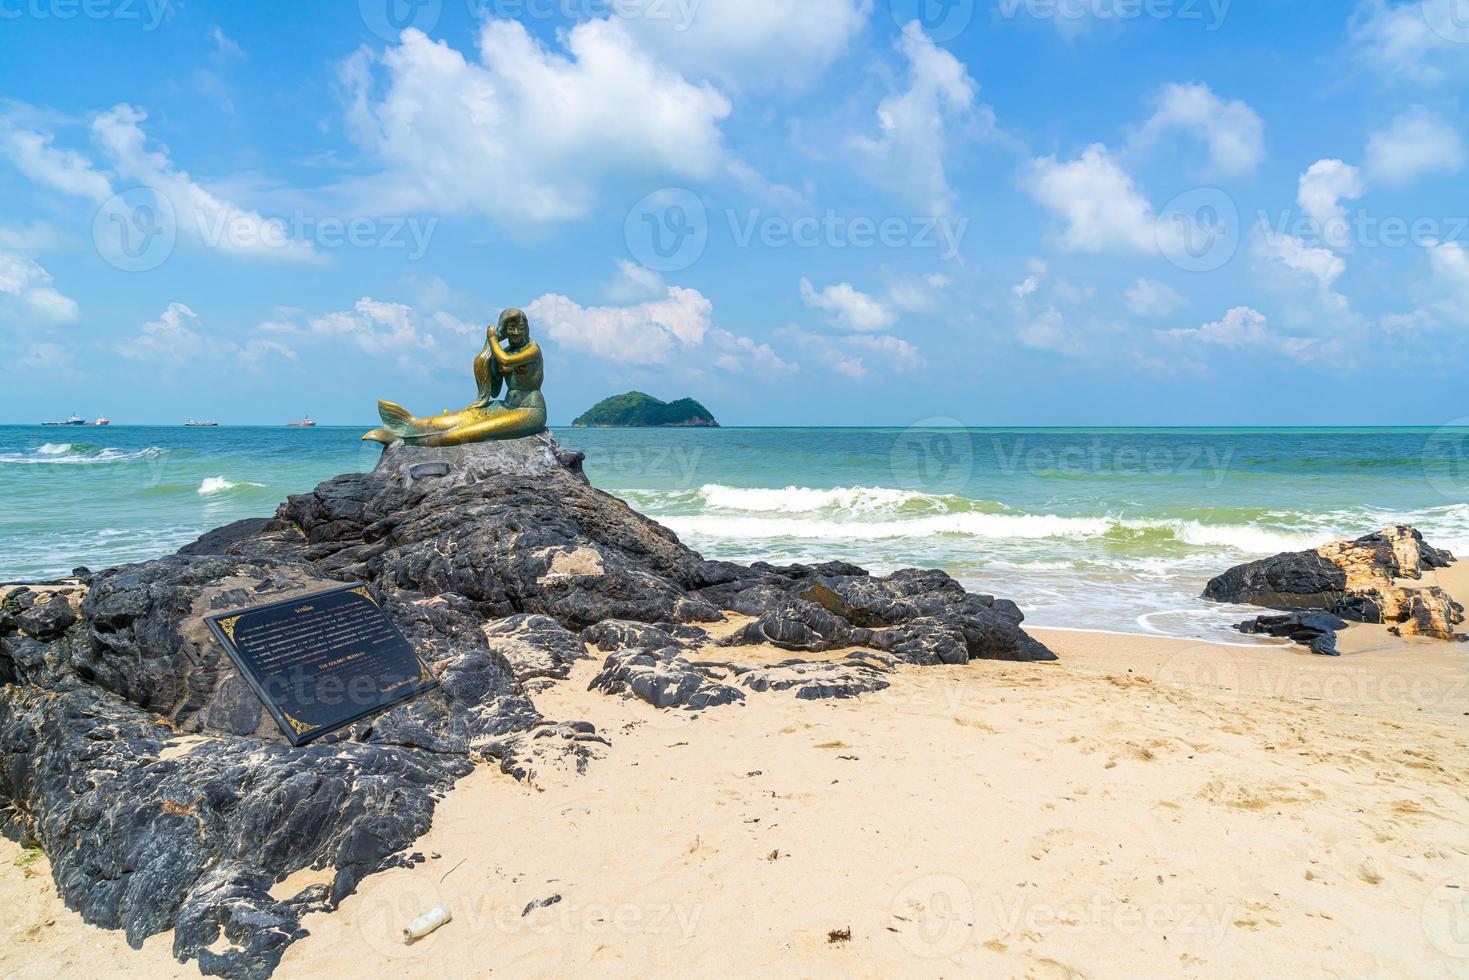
<point x="398" y="423"/>
<point x="476" y="424"/>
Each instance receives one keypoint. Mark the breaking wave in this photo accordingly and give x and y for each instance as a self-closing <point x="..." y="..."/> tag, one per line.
<point x="213" y="485"/>
<point x="66" y="453"/>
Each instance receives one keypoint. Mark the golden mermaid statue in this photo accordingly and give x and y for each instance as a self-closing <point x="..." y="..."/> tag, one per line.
<point x="517" y="366"/>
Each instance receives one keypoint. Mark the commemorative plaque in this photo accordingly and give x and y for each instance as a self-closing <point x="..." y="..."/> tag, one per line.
<point x="322" y="661"/>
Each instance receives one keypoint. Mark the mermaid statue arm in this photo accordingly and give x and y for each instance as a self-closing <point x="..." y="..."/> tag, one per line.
<point x="508" y="361"/>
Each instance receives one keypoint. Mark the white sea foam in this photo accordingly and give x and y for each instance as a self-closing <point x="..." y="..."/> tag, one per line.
<point x="218" y="484"/>
<point x="806" y="500"/>
<point x="998" y="526"/>
<point x="1241" y="537"/>
<point x="53" y="454"/>
<point x="1245" y="539"/>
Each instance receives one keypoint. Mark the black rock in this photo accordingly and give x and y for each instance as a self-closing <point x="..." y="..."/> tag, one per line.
<point x="1314" y="629"/>
<point x="1294" y="580"/>
<point x="666" y="680"/>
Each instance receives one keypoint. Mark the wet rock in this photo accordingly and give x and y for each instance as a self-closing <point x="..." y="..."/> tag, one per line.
<point x="1356" y="580"/>
<point x="1316" y="630"/>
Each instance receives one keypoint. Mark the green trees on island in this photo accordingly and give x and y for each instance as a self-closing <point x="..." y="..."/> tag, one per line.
<point x="638" y="409"/>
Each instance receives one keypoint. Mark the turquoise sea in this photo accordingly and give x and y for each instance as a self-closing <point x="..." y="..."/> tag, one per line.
<point x="1112" y="529"/>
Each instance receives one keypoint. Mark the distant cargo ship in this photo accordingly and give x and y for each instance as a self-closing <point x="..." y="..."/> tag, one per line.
<point x="305" y="423"/>
<point x="78" y="420"/>
<point x="191" y="424"/>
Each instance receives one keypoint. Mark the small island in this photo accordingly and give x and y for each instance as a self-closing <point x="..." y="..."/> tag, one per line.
<point x="638" y="409"/>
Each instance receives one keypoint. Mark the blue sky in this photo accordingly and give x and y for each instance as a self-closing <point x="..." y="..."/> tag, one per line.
<point x="1041" y="212"/>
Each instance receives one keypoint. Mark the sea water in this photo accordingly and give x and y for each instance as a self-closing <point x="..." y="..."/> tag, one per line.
<point x="1114" y="529"/>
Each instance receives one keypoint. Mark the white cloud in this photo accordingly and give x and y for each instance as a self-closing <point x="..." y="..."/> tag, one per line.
<point x="1289" y="263"/>
<point x="848" y="307"/>
<point x="177" y="338"/>
<point x="656" y="331"/>
<point x="30" y="285"/>
<point x="751" y="44"/>
<point x="856" y="357"/>
<point x="642" y="333"/>
<point x="527" y="134"/>
<point x="1148" y="297"/>
<point x="1026" y="287"/>
<point x="170" y="339"/>
<point x="1446" y="294"/>
<point x="1243" y="327"/>
<point x="202" y="216"/>
<point x="1048" y="331"/>
<point x="35" y="155"/>
<point x="1103" y="209"/>
<point x="1321" y="190"/>
<point x="377" y="328"/>
<point x="1421" y="41"/>
<point x="1417" y="144"/>
<point x="1233" y="132"/>
<point x="635" y="282"/>
<point x="908" y="154"/>
<point x="226" y="47"/>
<point x="918" y="294"/>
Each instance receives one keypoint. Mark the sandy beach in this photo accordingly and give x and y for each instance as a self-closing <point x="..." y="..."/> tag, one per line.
<point x="1146" y="805"/>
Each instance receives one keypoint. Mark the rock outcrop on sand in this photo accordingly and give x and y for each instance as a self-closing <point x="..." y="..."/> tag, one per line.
<point x="1356" y="580"/>
<point x="1316" y="630"/>
<point x="136" y="756"/>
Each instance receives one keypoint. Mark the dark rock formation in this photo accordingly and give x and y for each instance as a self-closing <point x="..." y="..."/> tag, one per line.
<point x="666" y="680"/>
<point x="134" y="753"/>
<point x="920" y="617"/>
<point x="1356" y="580"/>
<point x="1313" y="629"/>
<point x="860" y="673"/>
